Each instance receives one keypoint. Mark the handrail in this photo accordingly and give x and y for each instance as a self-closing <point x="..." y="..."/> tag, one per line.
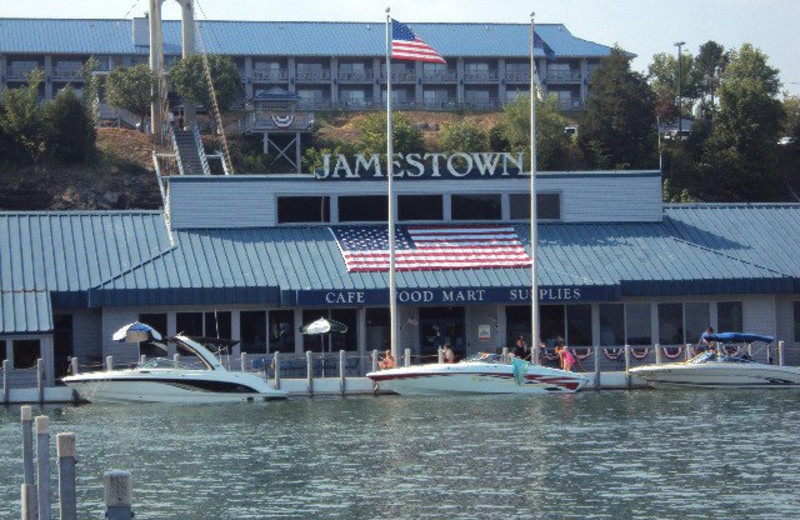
<point x="201" y="151"/>
<point x="177" y="151"/>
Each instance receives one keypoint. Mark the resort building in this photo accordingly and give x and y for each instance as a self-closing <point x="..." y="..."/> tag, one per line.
<point x="329" y="65"/>
<point x="254" y="257"/>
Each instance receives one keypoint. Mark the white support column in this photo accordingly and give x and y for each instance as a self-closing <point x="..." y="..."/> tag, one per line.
<point x="172" y="329"/>
<point x="584" y="79"/>
<point x="298" y="338"/>
<point x="460" y="79"/>
<point x="48" y="76"/>
<point x="419" y="76"/>
<point x="502" y="326"/>
<point x="654" y="324"/>
<point x="248" y="76"/>
<point x="376" y="85"/>
<point x="334" y="81"/>
<point x="595" y="324"/>
<point x="267" y="333"/>
<point x="361" y="326"/>
<point x="501" y="80"/>
<point x="291" y="65"/>
<point x="48" y="358"/>
<point x="542" y="70"/>
<point x="236" y="325"/>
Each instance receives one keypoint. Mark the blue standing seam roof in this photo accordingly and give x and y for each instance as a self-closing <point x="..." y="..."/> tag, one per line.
<point x="322" y="39"/>
<point x="25" y="312"/>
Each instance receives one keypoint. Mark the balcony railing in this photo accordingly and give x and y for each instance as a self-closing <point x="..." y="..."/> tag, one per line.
<point x="72" y="73"/>
<point x="315" y="104"/>
<point x="571" y="104"/>
<point x="517" y="76"/>
<point x="357" y="104"/>
<point x="400" y="76"/>
<point x="480" y="75"/>
<point x="313" y="75"/>
<point x="18" y="73"/>
<point x="482" y="104"/>
<point x="440" y="76"/>
<point x="270" y="75"/>
<point x="564" y="75"/>
<point x="356" y="76"/>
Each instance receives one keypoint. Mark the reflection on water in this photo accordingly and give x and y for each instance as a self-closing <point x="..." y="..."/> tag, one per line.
<point x="644" y="454"/>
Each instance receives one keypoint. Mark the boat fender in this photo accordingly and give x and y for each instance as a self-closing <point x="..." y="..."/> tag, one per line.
<point x="613" y="353"/>
<point x="672" y="355"/>
<point x="640" y="353"/>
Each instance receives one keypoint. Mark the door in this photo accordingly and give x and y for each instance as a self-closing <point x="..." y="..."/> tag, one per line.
<point x="62" y="343"/>
<point x="440" y="326"/>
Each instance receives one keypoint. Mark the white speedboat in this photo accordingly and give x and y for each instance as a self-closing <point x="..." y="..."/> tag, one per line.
<point x="481" y="374"/>
<point x="712" y="369"/>
<point x="201" y="379"/>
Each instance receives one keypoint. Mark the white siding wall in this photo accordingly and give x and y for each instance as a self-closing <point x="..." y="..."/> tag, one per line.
<point x="113" y="319"/>
<point x="483" y="315"/>
<point x="250" y="201"/>
<point x="408" y="328"/>
<point x="87" y="335"/>
<point x="784" y="316"/>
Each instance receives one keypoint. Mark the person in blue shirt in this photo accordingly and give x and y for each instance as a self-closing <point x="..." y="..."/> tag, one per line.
<point x="704" y="342"/>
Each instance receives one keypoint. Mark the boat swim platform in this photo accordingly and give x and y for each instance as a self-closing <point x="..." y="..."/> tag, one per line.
<point x="320" y="387"/>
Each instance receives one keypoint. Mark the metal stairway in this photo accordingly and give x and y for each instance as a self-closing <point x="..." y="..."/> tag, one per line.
<point x="189" y="151"/>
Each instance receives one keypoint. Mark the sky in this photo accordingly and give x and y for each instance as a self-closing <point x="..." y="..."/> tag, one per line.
<point x="644" y="27"/>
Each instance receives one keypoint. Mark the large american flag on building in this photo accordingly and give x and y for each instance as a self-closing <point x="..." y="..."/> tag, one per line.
<point x="406" y="45"/>
<point x="431" y="247"/>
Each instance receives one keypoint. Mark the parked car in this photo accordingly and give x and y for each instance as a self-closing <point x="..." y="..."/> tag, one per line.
<point x="676" y="135"/>
<point x="787" y="140"/>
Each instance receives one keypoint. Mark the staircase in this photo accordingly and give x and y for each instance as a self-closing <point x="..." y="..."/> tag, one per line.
<point x="189" y="151"/>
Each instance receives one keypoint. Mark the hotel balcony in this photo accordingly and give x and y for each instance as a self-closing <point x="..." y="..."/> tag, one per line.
<point x="17" y="73"/>
<point x="67" y="74"/>
<point x="440" y="76"/>
<point x="361" y="76"/>
<point x="480" y="76"/>
<point x="312" y="76"/>
<point x="270" y="75"/>
<point x="315" y="104"/>
<point x="482" y="104"/>
<point x="400" y="76"/>
<point x="564" y="76"/>
<point x="518" y="77"/>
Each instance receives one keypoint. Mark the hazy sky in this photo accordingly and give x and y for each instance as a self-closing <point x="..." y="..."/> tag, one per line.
<point x="644" y="27"/>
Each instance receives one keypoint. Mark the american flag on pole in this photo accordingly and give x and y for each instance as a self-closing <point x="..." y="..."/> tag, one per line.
<point x="418" y="248"/>
<point x="406" y="45"/>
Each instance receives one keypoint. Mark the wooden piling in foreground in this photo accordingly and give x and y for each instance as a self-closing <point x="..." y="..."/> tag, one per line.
<point x="109" y="363"/>
<point x="658" y="354"/>
<point x="688" y="351"/>
<point x="243" y="361"/>
<point x="276" y="366"/>
<point x="309" y="374"/>
<point x="439" y="355"/>
<point x="26" y="414"/>
<point x="597" y="368"/>
<point x="73" y="363"/>
<point x="42" y="424"/>
<point x="503" y="356"/>
<point x="65" y="450"/>
<point x="407" y="360"/>
<point x="342" y="376"/>
<point x="30" y="506"/>
<point x="780" y="353"/>
<point x="117" y="486"/>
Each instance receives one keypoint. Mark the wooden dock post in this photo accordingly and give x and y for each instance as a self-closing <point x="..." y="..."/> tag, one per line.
<point x="142" y="359"/>
<point x="780" y="353"/>
<point x="504" y="355"/>
<point x="30" y="506"/>
<point x="73" y="363"/>
<point x="276" y="366"/>
<point x="40" y="379"/>
<point x="658" y="354"/>
<point x="243" y="361"/>
<point x="42" y="425"/>
<point x="309" y="374"/>
<point x="26" y="414"/>
<point x="597" y="368"/>
<point x="439" y="355"/>
<point x="109" y="363"/>
<point x="407" y="360"/>
<point x="688" y="351"/>
<point x="5" y="381"/>
<point x="375" y="360"/>
<point x="342" y="379"/>
<point x="117" y="486"/>
<point x="65" y="450"/>
<point x="628" y="366"/>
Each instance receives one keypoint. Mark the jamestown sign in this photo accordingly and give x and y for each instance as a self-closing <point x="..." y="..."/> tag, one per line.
<point x="460" y="165"/>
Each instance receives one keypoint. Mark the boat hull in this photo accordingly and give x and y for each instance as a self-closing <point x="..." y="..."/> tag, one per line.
<point x="476" y="378"/>
<point x="719" y="375"/>
<point x="109" y="387"/>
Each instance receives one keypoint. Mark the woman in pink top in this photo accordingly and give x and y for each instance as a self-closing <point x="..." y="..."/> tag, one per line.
<point x="567" y="359"/>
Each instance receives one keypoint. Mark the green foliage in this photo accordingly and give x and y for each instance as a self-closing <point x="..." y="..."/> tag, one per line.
<point x="131" y="89"/>
<point x="312" y="159"/>
<point x="618" y="126"/>
<point x="70" y="133"/>
<point x="463" y="136"/>
<point x="550" y="123"/>
<point x="710" y="63"/>
<point x="372" y="133"/>
<point x="189" y="80"/>
<point x="22" y="120"/>
<point x="791" y="106"/>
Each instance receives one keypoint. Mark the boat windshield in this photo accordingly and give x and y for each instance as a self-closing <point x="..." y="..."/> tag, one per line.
<point x="485" y="357"/>
<point x="170" y="364"/>
<point x="710" y="356"/>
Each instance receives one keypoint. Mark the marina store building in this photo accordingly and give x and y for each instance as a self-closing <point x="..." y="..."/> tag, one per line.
<point x="254" y="257"/>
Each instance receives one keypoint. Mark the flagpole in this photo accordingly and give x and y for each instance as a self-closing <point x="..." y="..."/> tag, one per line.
<point x="389" y="175"/>
<point x="534" y="247"/>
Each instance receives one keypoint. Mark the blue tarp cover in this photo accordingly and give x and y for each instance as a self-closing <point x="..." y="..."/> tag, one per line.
<point x="737" y="337"/>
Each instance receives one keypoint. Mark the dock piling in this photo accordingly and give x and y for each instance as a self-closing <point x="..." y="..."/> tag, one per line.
<point x="42" y="425"/>
<point x="117" y="486"/>
<point x="142" y="359"/>
<point x="375" y="360"/>
<point x="40" y="379"/>
<point x="342" y="380"/>
<point x="73" y="363"/>
<point x="688" y="351"/>
<point x="440" y="355"/>
<point x="780" y="353"/>
<point x="504" y="356"/>
<point x="243" y="361"/>
<point x="658" y="354"/>
<point x="597" y="368"/>
<point x="65" y="450"/>
<point x="309" y="374"/>
<point x="5" y="381"/>
<point x="30" y="507"/>
<point x="407" y="360"/>
<point x="276" y="366"/>
<point x="176" y="358"/>
<point x="628" y="366"/>
<point x="26" y="414"/>
<point x="109" y="363"/>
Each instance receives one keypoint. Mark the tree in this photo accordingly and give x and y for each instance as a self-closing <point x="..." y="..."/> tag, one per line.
<point x="550" y="123"/>
<point x="464" y="135"/>
<point x="188" y="78"/>
<point x="711" y="62"/>
<point x="131" y="89"/>
<point x="791" y="106"/>
<point x="740" y="157"/>
<point x="618" y="126"/>
<point x="70" y="131"/>
<point x="664" y="74"/>
<point x="23" y="122"/>
<point x="372" y="131"/>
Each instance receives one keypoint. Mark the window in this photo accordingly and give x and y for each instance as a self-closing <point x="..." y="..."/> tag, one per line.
<point x="476" y="207"/>
<point x="579" y="325"/>
<point x="670" y="323"/>
<point x="378" y="329"/>
<point x="218" y="325"/>
<point x="551" y="324"/>
<point x="26" y="352"/>
<point x="612" y="324"/>
<point x="697" y="319"/>
<point x="158" y="322"/>
<point x="420" y="207"/>
<point x="368" y="208"/>
<point x="796" y="322"/>
<point x="476" y="67"/>
<point x="253" y="331"/>
<point x="637" y="323"/>
<point x="548" y="206"/>
<point x="189" y="324"/>
<point x="303" y="209"/>
<point x="281" y="331"/>
<point x="3" y="349"/>
<point x="348" y="340"/>
<point x="729" y="317"/>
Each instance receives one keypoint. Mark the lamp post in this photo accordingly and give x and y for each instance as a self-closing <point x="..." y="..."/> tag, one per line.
<point x="679" y="45"/>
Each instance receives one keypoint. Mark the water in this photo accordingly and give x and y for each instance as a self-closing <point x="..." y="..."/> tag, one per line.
<point x="643" y="454"/>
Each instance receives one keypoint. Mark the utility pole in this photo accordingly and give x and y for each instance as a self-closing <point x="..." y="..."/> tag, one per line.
<point x="679" y="45"/>
<point x="187" y="24"/>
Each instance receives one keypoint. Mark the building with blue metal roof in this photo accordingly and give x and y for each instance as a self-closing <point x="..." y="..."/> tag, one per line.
<point x="327" y="64"/>
<point x="254" y="257"/>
